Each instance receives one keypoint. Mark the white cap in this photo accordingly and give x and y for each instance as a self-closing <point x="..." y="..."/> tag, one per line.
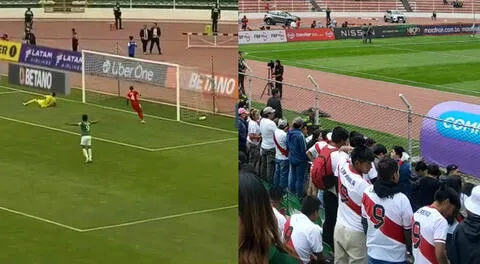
<point x="472" y="203"/>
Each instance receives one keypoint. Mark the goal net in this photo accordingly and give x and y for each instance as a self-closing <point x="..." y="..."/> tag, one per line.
<point x="106" y="77"/>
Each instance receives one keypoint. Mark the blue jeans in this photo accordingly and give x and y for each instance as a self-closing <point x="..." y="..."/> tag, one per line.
<point x="376" y="261"/>
<point x="296" y="179"/>
<point x="281" y="173"/>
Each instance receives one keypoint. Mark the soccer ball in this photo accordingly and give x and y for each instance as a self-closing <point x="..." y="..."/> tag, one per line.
<point x="202" y="118"/>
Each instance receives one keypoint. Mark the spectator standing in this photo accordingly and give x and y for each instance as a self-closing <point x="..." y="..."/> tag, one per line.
<point x="132" y="46"/>
<point x="364" y="33"/>
<point x="30" y="38"/>
<point x="425" y="189"/>
<point x="328" y="11"/>
<point x="430" y="227"/>
<point x="387" y="217"/>
<point x="28" y="18"/>
<point x="259" y="241"/>
<point x="370" y="33"/>
<point x="278" y="74"/>
<point x="215" y="17"/>
<point x="275" y="103"/>
<point x="242" y="129"/>
<point x="74" y="40"/>
<point x="253" y="140"/>
<point x="401" y="156"/>
<point x="434" y="15"/>
<point x="5" y="37"/>
<point x="244" y="22"/>
<point x="466" y="237"/>
<point x="155" y="38"/>
<point x="314" y="24"/>
<point x="117" y="13"/>
<point x="452" y="169"/>
<point x="267" y="147"/>
<point x="282" y="165"/>
<point x="349" y="238"/>
<point x="297" y="157"/>
<point x="380" y="152"/>
<point x="303" y="235"/>
<point x="241" y="69"/>
<point x="421" y="170"/>
<point x="145" y="37"/>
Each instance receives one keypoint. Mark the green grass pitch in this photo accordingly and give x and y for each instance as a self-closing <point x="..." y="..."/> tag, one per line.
<point x="447" y="63"/>
<point x="56" y="209"/>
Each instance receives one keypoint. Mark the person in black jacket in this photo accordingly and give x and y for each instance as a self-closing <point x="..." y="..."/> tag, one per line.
<point x="117" y="13"/>
<point x="466" y="237"/>
<point x="155" y="34"/>
<point x="145" y="37"/>
<point x="274" y="102"/>
<point x="215" y="18"/>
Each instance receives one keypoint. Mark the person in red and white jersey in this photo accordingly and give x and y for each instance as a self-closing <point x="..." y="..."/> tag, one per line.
<point x="430" y="227"/>
<point x="349" y="238"/>
<point x="303" y="235"/>
<point x="387" y="217"/>
<point x="133" y="98"/>
<point x="282" y="165"/>
<point x="326" y="137"/>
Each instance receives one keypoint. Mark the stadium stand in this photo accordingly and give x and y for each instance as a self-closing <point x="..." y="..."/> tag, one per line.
<point x="259" y="6"/>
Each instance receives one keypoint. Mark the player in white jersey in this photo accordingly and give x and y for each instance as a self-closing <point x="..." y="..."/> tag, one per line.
<point x="349" y="239"/>
<point x="430" y="227"/>
<point x="387" y="217"/>
<point x="303" y="235"/>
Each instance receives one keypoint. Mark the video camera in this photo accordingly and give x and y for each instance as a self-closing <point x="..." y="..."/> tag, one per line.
<point x="271" y="64"/>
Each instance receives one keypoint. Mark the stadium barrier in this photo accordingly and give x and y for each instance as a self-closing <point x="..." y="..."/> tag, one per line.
<point x="388" y="125"/>
<point x="309" y="34"/>
<point x="39" y="78"/>
<point x="261" y="36"/>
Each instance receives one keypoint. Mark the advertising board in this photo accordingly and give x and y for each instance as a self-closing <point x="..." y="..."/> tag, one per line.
<point x="39" y="78"/>
<point x="261" y="36"/>
<point x="310" y="34"/>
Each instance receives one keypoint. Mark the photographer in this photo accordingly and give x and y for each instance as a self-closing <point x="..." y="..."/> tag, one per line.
<point x="241" y="69"/>
<point x="278" y="75"/>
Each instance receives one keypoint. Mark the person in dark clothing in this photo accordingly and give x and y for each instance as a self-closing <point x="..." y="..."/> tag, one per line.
<point x="145" y="37"/>
<point x="117" y="13"/>
<point x="369" y="33"/>
<point x="242" y="129"/>
<point x="28" y="18"/>
<point x="276" y="104"/>
<point x="241" y="69"/>
<point x="310" y="121"/>
<point x="74" y="40"/>
<point x="278" y="75"/>
<point x="424" y="190"/>
<point x="215" y="17"/>
<point x="364" y="33"/>
<point x="328" y="11"/>
<point x="297" y="157"/>
<point x="380" y="152"/>
<point x="466" y="238"/>
<point x="400" y="155"/>
<point x="421" y="170"/>
<point x="155" y="34"/>
<point x="30" y="38"/>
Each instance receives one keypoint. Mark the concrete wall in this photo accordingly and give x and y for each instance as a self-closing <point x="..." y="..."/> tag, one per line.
<point x="127" y="14"/>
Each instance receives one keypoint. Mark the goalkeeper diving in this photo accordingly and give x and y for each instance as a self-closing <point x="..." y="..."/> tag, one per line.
<point x="47" y="101"/>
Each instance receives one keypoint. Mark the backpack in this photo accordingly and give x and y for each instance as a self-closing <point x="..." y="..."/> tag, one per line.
<point x="321" y="170"/>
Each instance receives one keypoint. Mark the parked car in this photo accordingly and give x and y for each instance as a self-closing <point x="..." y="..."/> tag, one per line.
<point x="279" y="17"/>
<point x="394" y="16"/>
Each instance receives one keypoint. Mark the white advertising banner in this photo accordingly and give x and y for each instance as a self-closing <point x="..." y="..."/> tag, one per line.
<point x="261" y="36"/>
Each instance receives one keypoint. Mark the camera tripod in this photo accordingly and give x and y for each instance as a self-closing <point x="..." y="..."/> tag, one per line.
<point x="269" y="85"/>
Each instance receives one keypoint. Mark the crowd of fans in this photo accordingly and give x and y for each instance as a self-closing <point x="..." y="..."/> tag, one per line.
<point x="379" y="207"/>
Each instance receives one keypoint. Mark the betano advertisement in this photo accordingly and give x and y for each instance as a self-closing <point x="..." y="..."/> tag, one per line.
<point x="310" y="34"/>
<point x="225" y="85"/>
<point x="452" y="136"/>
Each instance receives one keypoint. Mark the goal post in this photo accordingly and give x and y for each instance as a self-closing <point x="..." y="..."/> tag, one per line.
<point x="106" y="76"/>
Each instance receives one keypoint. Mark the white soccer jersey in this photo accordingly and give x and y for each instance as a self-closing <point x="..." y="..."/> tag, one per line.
<point x="313" y="149"/>
<point x="351" y="187"/>
<point x="387" y="219"/>
<point x="267" y="129"/>
<point x="281" y="137"/>
<point x="253" y="128"/>
<point x="429" y="227"/>
<point x="281" y="220"/>
<point x="302" y="235"/>
<point x="338" y="159"/>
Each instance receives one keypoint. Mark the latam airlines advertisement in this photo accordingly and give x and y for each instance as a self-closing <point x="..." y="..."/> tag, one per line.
<point x="451" y="135"/>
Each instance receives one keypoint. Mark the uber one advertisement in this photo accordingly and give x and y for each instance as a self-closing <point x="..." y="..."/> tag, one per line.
<point x="451" y="135"/>
<point x="39" y="78"/>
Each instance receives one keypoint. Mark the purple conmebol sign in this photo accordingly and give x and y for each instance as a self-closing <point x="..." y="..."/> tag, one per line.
<point x="59" y="59"/>
<point x="455" y="139"/>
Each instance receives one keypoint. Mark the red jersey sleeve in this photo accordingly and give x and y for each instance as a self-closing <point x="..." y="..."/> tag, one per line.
<point x="133" y="96"/>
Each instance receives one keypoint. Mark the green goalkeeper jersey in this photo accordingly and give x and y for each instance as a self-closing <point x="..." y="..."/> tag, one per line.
<point x="85" y="128"/>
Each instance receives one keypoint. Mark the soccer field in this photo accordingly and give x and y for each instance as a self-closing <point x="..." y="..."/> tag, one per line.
<point x="161" y="192"/>
<point x="447" y="63"/>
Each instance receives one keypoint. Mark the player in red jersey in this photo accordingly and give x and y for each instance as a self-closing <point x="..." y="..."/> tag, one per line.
<point x="132" y="97"/>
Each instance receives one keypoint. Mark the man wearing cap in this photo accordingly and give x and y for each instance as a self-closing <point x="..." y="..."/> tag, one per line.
<point x="242" y="129"/>
<point x="452" y="169"/>
<point x="467" y="234"/>
<point x="274" y="102"/>
<point x="267" y="147"/>
<point x="310" y="121"/>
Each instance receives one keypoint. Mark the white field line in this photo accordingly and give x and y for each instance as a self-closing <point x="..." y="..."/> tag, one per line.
<point x="196" y="144"/>
<point x="360" y="46"/>
<point x="10" y="92"/>
<point x="40" y="219"/>
<point x="74" y="133"/>
<point x="123" y="111"/>
<point x="297" y="63"/>
<point x="159" y="218"/>
<point x="427" y="51"/>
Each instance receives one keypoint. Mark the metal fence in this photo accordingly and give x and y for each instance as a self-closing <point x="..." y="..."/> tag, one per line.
<point x="390" y="126"/>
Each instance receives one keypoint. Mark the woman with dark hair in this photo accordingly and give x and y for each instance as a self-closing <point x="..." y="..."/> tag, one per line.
<point x="259" y="240"/>
<point x="401" y="156"/>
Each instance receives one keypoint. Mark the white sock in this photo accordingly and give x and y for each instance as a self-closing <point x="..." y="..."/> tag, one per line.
<point x="85" y="153"/>
<point x="90" y="154"/>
